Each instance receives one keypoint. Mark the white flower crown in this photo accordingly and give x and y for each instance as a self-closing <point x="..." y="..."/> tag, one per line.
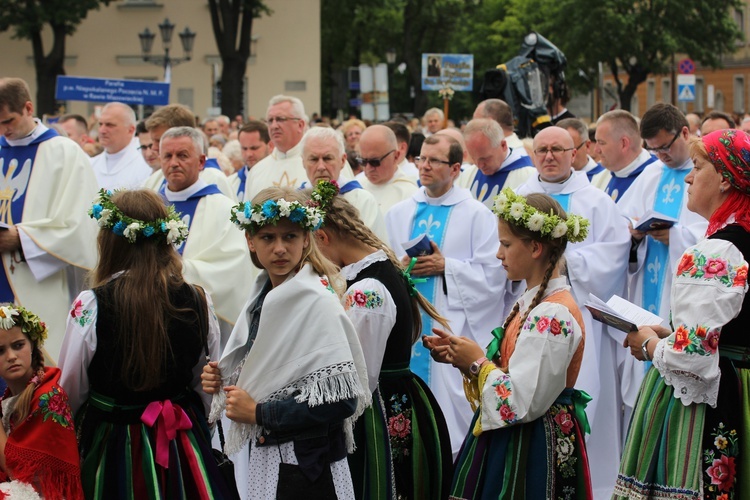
<point x="513" y="208"/>
<point x="109" y="216"/>
<point x="253" y="217"/>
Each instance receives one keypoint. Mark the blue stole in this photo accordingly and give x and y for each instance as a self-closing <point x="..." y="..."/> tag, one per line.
<point x="211" y="163"/>
<point x="562" y="199"/>
<point x="242" y="176"/>
<point x="432" y="220"/>
<point x="618" y="185"/>
<point x="13" y="194"/>
<point x="668" y="201"/>
<point x="591" y="173"/>
<point x="483" y="186"/>
<point x="349" y="186"/>
<point x="186" y="208"/>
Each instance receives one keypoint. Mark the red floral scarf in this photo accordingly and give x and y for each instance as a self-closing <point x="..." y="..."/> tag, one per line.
<point x="42" y="450"/>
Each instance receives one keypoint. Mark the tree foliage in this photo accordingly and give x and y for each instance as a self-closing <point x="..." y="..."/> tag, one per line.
<point x="27" y="19"/>
<point x="232" y="23"/>
<point x="361" y="31"/>
<point x="633" y="38"/>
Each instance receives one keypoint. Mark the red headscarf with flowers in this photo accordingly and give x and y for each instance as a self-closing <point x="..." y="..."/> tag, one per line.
<point x="729" y="152"/>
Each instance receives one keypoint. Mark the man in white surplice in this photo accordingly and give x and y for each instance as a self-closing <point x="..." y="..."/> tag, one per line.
<point x="287" y="123"/>
<point x="380" y="157"/>
<point x="46" y="189"/>
<point x="465" y="281"/>
<point x="324" y="158"/>
<point x="496" y="165"/>
<point x="177" y="115"/>
<point x="596" y="265"/>
<point x="121" y="165"/>
<point x="215" y="254"/>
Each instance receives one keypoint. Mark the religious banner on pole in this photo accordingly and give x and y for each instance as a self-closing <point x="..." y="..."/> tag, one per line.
<point x="447" y="73"/>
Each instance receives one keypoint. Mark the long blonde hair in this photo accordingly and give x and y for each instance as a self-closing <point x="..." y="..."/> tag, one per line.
<point x="342" y="218"/>
<point x="312" y="254"/>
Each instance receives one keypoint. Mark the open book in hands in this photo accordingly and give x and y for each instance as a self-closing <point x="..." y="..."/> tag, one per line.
<point x="652" y="220"/>
<point x="621" y="314"/>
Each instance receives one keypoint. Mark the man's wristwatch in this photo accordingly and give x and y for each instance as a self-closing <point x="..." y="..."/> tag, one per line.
<point x="476" y="366"/>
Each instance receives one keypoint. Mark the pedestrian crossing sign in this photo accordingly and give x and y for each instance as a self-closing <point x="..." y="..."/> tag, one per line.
<point x="686" y="93"/>
<point x="686" y="88"/>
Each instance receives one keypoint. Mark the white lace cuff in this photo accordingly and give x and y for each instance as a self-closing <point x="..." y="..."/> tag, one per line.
<point x="688" y="387"/>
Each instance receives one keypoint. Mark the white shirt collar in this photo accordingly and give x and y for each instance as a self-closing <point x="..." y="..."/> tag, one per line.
<point x="185" y="193"/>
<point x="25" y="141"/>
<point x="352" y="270"/>
<point x="639" y="160"/>
<point x="295" y="150"/>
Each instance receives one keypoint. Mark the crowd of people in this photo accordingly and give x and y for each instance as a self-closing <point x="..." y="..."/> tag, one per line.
<point x="371" y="311"/>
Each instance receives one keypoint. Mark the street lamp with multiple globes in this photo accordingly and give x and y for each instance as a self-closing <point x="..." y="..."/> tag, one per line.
<point x="166" y="28"/>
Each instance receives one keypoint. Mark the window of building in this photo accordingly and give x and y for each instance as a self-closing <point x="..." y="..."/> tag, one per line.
<point x="295" y="86"/>
<point x="719" y="101"/>
<point x="738" y="94"/>
<point x="666" y="90"/>
<point x="739" y="19"/>
<point x="634" y="105"/>
<point x="700" y="90"/>
<point x="185" y="97"/>
<point x="650" y="93"/>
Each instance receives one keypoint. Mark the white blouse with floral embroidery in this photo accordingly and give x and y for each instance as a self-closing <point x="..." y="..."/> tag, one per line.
<point x="707" y="292"/>
<point x="370" y="307"/>
<point x="537" y="370"/>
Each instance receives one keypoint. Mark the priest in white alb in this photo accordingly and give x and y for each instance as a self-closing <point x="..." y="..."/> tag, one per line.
<point x="215" y="254"/>
<point x="287" y="123"/>
<point x="463" y="278"/>
<point x="380" y="156"/>
<point x="324" y="158"/>
<point x="46" y="188"/>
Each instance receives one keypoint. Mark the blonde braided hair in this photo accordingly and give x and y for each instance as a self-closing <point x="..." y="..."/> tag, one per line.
<point x="343" y="219"/>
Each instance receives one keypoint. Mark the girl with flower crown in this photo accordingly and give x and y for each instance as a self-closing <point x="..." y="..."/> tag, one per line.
<point x="527" y="436"/>
<point x="132" y="356"/>
<point x="38" y="451"/>
<point x="403" y="436"/>
<point x="292" y="378"/>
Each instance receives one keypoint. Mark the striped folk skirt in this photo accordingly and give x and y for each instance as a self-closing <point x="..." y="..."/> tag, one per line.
<point x="678" y="452"/>
<point x="119" y="454"/>
<point x="402" y="440"/>
<point x="545" y="458"/>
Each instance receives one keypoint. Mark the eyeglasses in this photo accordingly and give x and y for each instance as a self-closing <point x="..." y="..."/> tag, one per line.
<point x="432" y="162"/>
<point x="580" y="145"/>
<point x="375" y="162"/>
<point x="145" y="147"/>
<point x="664" y="149"/>
<point x="281" y="120"/>
<point x="555" y="150"/>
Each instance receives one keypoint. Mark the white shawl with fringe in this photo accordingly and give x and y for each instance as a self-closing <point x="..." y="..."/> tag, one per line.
<point x="305" y="345"/>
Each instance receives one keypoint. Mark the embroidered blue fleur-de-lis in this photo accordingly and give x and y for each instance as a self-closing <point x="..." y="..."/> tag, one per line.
<point x="653" y="269"/>
<point x="668" y="190"/>
<point x="428" y="225"/>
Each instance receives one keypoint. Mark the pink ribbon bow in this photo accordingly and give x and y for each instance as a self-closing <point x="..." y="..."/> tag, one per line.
<point x="170" y="419"/>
